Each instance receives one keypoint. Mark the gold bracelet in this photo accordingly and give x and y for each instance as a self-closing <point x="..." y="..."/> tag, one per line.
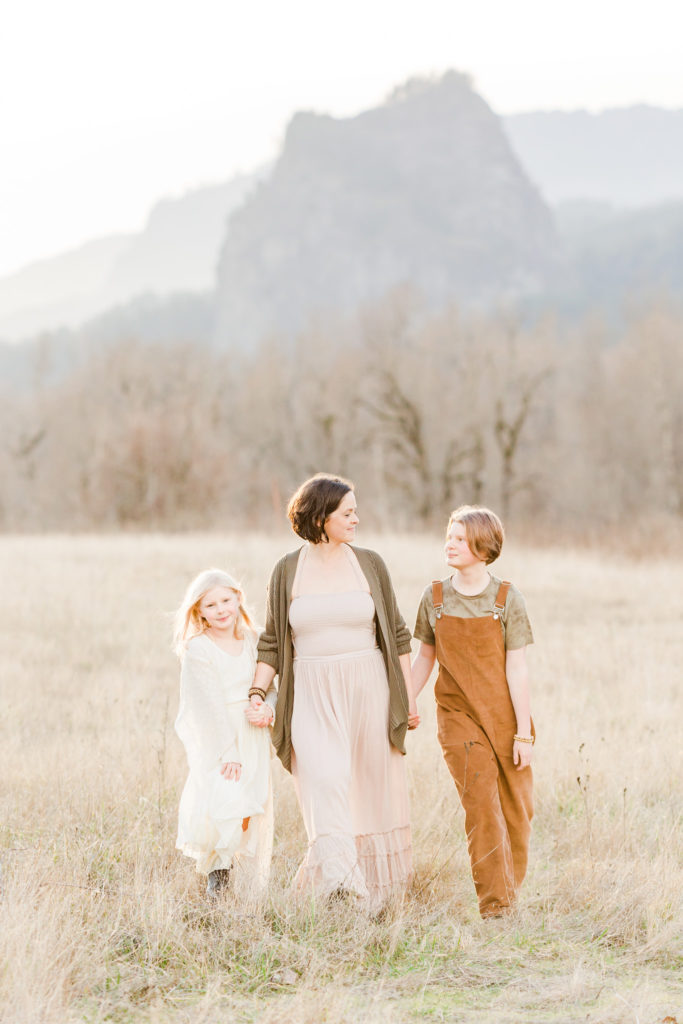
<point x="525" y="739"/>
<point x="256" y="692"/>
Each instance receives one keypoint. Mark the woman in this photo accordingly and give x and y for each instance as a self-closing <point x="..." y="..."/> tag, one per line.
<point x="336" y="639"/>
<point x="225" y="818"/>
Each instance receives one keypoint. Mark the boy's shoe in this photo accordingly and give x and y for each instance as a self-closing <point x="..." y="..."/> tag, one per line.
<point x="217" y="882"/>
<point x="496" y="911"/>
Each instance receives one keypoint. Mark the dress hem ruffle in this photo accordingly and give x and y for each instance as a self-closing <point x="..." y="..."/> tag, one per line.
<point x="373" y="866"/>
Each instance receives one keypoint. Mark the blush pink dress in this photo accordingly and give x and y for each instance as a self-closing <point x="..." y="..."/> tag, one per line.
<point x="349" y="779"/>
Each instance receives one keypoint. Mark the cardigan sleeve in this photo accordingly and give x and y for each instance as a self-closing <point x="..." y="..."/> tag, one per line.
<point x="271" y="695"/>
<point x="269" y="644"/>
<point x="401" y="631"/>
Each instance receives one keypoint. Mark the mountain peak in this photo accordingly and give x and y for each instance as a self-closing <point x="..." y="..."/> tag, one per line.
<point x="453" y="83"/>
<point x="424" y="188"/>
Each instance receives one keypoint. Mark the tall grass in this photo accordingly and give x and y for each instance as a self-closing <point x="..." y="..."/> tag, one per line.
<point x="103" y="921"/>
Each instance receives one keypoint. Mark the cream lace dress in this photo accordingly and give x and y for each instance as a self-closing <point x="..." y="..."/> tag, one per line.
<point x="222" y="822"/>
<point x="350" y="781"/>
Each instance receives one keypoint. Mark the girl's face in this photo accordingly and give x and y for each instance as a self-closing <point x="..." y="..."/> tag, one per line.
<point x="340" y="525"/>
<point x="220" y="607"/>
<point x="458" y="553"/>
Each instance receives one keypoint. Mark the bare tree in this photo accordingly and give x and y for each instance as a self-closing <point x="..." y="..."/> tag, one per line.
<point x="511" y="416"/>
<point x="424" y="411"/>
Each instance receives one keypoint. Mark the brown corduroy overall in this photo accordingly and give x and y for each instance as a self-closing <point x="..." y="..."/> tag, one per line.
<point x="476" y="727"/>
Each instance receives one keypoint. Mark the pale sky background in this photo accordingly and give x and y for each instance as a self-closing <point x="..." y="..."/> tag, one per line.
<point x="106" y="107"/>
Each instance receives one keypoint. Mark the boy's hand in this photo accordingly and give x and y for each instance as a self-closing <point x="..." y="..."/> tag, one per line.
<point x="522" y="754"/>
<point x="413" y="715"/>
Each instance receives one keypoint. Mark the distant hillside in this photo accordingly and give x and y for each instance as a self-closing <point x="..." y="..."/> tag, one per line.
<point x="614" y="257"/>
<point x="431" y="189"/>
<point x="176" y="251"/>
<point x="627" y="157"/>
<point x="46" y="359"/>
<point x="179" y="247"/>
<point x="424" y="189"/>
<point x="61" y="290"/>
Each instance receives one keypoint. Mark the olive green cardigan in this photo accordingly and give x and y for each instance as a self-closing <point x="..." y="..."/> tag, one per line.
<point x="275" y="645"/>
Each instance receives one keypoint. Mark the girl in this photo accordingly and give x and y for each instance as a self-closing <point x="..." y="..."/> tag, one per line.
<point x="225" y="815"/>
<point x="477" y="627"/>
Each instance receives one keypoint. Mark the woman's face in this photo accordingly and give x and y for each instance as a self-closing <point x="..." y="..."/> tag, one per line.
<point x="220" y="607"/>
<point x="340" y="525"/>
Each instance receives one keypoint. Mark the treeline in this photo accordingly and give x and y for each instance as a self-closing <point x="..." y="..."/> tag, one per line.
<point x="557" y="428"/>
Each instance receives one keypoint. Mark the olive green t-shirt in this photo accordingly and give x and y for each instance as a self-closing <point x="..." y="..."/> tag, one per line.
<point x="514" y="620"/>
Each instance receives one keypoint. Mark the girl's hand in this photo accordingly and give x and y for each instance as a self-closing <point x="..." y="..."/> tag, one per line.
<point x="259" y="714"/>
<point x="232" y="771"/>
<point x="522" y="754"/>
<point x="413" y="715"/>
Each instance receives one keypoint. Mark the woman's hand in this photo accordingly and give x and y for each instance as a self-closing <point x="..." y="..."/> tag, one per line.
<point x="231" y="770"/>
<point x="522" y="754"/>
<point x="259" y="713"/>
<point x="413" y="717"/>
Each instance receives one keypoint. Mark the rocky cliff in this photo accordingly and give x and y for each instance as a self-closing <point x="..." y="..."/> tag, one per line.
<point x="424" y="189"/>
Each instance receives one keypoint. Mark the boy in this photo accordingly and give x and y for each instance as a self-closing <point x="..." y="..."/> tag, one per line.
<point x="477" y="628"/>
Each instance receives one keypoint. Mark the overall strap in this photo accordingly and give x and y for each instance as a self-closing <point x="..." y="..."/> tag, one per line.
<point x="501" y="598"/>
<point x="437" y="597"/>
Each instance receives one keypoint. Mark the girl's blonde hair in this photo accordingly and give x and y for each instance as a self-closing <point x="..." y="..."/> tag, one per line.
<point x="189" y="621"/>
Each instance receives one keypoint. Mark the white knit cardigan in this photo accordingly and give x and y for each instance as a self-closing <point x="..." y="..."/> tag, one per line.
<point x="204" y="724"/>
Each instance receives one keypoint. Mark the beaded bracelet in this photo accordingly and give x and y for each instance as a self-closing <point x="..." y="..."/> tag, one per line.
<point x="256" y="692"/>
<point x="525" y="739"/>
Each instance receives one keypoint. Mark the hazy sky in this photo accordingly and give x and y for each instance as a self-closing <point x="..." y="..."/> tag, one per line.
<point x="107" y="106"/>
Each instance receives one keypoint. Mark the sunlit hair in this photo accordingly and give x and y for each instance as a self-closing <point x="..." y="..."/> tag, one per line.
<point x="190" y="622"/>
<point x="483" y="529"/>
<point x="313" y="502"/>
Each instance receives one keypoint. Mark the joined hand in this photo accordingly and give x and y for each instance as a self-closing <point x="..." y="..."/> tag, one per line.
<point x="259" y="713"/>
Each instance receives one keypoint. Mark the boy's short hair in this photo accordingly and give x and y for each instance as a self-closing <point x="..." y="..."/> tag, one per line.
<point x="313" y="502"/>
<point x="483" y="529"/>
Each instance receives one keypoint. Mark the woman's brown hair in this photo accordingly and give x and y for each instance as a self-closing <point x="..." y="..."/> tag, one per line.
<point x="311" y="504"/>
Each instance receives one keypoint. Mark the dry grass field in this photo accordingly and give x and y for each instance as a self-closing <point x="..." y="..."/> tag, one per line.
<point x="101" y="919"/>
